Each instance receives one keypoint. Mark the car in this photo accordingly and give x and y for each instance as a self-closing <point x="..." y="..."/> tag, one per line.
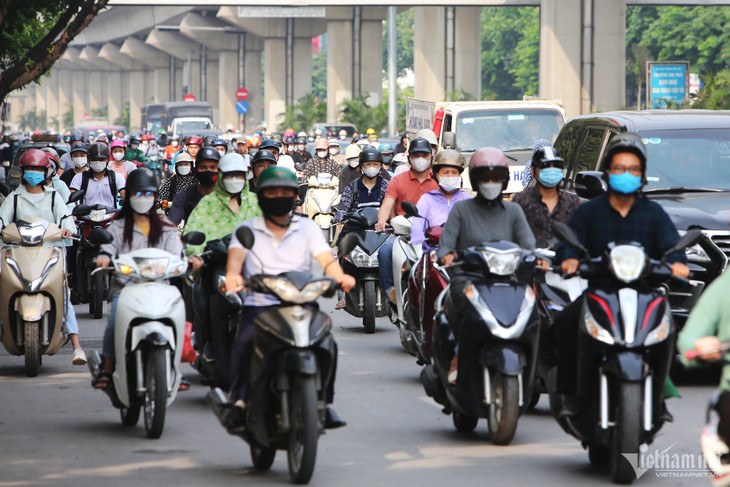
<point x="12" y="178"/>
<point x="688" y="174"/>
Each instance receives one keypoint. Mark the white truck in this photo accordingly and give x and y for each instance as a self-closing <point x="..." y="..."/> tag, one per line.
<point x="512" y="126"/>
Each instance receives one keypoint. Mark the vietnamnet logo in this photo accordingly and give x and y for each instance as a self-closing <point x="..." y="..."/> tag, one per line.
<point x="666" y="463"/>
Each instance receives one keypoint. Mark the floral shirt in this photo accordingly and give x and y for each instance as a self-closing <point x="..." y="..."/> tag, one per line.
<point x="318" y="165"/>
<point x="171" y="186"/>
<point x="538" y="217"/>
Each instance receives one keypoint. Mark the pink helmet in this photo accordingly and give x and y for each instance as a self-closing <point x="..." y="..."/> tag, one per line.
<point x="488" y="159"/>
<point x="117" y="143"/>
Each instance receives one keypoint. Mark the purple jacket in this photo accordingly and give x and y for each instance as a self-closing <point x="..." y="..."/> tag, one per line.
<point x="435" y="208"/>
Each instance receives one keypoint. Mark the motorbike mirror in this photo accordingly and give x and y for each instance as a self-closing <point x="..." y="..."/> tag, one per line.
<point x="589" y="184"/>
<point x="410" y="209"/>
<point x="76" y="196"/>
<point x="81" y="210"/>
<point x="4" y="189"/>
<point x="448" y="140"/>
<point x="245" y="236"/>
<point x="193" y="238"/>
<point x="347" y="243"/>
<point x="99" y="236"/>
<point x="565" y="234"/>
<point x="688" y="239"/>
<point x="6" y="163"/>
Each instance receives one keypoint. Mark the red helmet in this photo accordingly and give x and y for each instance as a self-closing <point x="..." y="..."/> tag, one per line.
<point x="488" y="159"/>
<point x="34" y="158"/>
<point x="145" y="137"/>
<point x="194" y="139"/>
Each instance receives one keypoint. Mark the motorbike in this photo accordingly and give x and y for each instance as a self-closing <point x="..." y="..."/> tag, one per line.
<point x="358" y="252"/>
<point x="154" y="164"/>
<point x="405" y="256"/>
<point x="92" y="286"/>
<point x="148" y="333"/>
<point x="626" y="338"/>
<point x="290" y="370"/>
<point x="497" y="358"/>
<point x="321" y="199"/>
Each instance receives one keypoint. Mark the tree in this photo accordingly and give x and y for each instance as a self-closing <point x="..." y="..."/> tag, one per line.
<point x="404" y="44"/>
<point x="35" y="33"/>
<point x="716" y="93"/>
<point x="319" y="75"/>
<point x="308" y="110"/>
<point x="32" y="120"/>
<point x="359" y="112"/>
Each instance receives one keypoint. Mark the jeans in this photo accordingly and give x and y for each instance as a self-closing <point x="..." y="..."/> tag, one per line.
<point x="107" y="346"/>
<point x="72" y="324"/>
<point x="385" y="264"/>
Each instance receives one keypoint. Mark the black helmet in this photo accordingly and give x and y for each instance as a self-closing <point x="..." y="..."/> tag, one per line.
<point x="208" y="139"/>
<point x="208" y="153"/>
<point x="141" y="179"/>
<point x="269" y="144"/>
<point x="370" y="154"/>
<point x="546" y="154"/>
<point x="77" y="137"/>
<point x="625" y="142"/>
<point x="264" y="155"/>
<point x="218" y="142"/>
<point x="98" y="152"/>
<point x="301" y="139"/>
<point x="419" y="144"/>
<point x="134" y="140"/>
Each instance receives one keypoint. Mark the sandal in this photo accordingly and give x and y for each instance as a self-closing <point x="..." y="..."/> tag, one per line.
<point x="340" y="304"/>
<point x="102" y="381"/>
<point x="184" y="384"/>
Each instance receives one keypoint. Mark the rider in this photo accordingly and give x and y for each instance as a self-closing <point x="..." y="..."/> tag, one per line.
<point x="623" y="214"/>
<point x="118" y="164"/>
<point x="136" y="226"/>
<point x="54" y="181"/>
<point x="527" y="173"/>
<point x="387" y="151"/>
<point x="34" y="199"/>
<point x="179" y="181"/>
<point x="263" y="160"/>
<point x="102" y="185"/>
<point x="133" y="151"/>
<point x="301" y="156"/>
<point x="322" y="163"/>
<point x="333" y="146"/>
<point x="206" y="172"/>
<point x="284" y="243"/>
<point x="79" y="163"/>
<point x="172" y="148"/>
<point x="220" y="145"/>
<point x="545" y="202"/>
<point x="283" y="160"/>
<point x="351" y="171"/>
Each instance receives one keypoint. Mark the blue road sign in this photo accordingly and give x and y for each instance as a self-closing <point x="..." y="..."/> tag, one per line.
<point x="668" y="83"/>
<point x="242" y="107"/>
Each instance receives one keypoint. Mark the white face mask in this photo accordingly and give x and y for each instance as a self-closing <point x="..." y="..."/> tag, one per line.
<point x="490" y="191"/>
<point x="420" y="164"/>
<point x="301" y="147"/>
<point x="183" y="169"/>
<point x="334" y="151"/>
<point x="450" y="184"/>
<point x="322" y="154"/>
<point x="118" y="156"/>
<point x="97" y="166"/>
<point x="222" y="153"/>
<point x="234" y="185"/>
<point x="174" y="143"/>
<point x="79" y="161"/>
<point x="353" y="162"/>
<point x="371" y="172"/>
<point x="141" y="204"/>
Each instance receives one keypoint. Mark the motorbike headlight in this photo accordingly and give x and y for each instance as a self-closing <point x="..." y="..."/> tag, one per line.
<point x="324" y="179"/>
<point x="696" y="253"/>
<point x="627" y="262"/>
<point x="32" y="234"/>
<point x="661" y="332"/>
<point x="362" y="259"/>
<point x="97" y="215"/>
<point x="152" y="268"/>
<point x="313" y="290"/>
<point x="502" y="263"/>
<point x="282" y="288"/>
<point x="597" y="331"/>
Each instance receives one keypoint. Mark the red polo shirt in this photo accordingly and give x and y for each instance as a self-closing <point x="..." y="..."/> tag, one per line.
<point x="406" y="187"/>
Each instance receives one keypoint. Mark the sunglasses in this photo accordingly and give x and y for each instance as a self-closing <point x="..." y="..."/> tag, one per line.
<point x="546" y="164"/>
<point x="144" y="193"/>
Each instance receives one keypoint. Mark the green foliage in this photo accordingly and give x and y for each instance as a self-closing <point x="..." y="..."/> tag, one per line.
<point x="404" y="44"/>
<point x="308" y="110"/>
<point x="25" y="26"/>
<point x="101" y="112"/>
<point x="319" y="75"/>
<point x="716" y="93"/>
<point x="363" y="115"/>
<point x="459" y="95"/>
<point x="123" y="118"/>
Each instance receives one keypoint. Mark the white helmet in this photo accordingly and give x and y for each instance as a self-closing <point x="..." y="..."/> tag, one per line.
<point x="232" y="162"/>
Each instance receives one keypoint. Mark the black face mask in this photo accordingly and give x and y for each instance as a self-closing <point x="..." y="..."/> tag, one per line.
<point x="207" y="178"/>
<point x="276" y="206"/>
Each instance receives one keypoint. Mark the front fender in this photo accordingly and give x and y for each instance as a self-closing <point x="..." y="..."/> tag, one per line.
<point x="626" y="366"/>
<point x="154" y="332"/>
<point x="504" y="357"/>
<point x="300" y="361"/>
<point x="32" y="307"/>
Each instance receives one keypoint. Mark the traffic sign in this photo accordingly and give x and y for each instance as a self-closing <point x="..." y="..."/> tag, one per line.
<point x="242" y="107"/>
<point x="242" y="94"/>
<point x="188" y="97"/>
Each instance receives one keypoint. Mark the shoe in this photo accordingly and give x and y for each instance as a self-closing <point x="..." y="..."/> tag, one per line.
<point x="568" y="406"/>
<point x="332" y="420"/>
<point x="78" y="357"/>
<point x="391" y="295"/>
<point x="234" y="418"/>
<point x="340" y="304"/>
<point x="208" y="353"/>
<point x="665" y="415"/>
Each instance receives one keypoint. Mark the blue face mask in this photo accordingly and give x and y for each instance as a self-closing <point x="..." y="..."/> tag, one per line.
<point x="625" y="183"/>
<point x="550" y="176"/>
<point x="34" y="178"/>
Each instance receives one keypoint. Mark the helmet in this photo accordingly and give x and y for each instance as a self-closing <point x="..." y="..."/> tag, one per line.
<point x="488" y="159"/>
<point x="429" y="135"/>
<point x="342" y="133"/>
<point x="264" y="155"/>
<point x="208" y="139"/>
<point x="333" y="143"/>
<point x="419" y="144"/>
<point x="386" y="149"/>
<point x="34" y="158"/>
<point x="302" y="134"/>
<point x="174" y="137"/>
<point x="399" y="159"/>
<point x="321" y="144"/>
<point x="208" y="153"/>
<point x="77" y="137"/>
<point x="141" y="180"/>
<point x="145" y="137"/>
<point x="193" y="139"/>
<point x="232" y="162"/>
<point x="318" y="132"/>
<point x="116" y="143"/>
<point x="184" y="157"/>
<point x="352" y="151"/>
<point x="448" y="158"/>
<point x="545" y="154"/>
<point x="99" y="152"/>
<point x="370" y="131"/>
<point x="370" y="154"/>
<point x="625" y="142"/>
<point x="134" y="140"/>
<point x="218" y="142"/>
<point x="52" y="155"/>
<point x="79" y="147"/>
<point x="302" y="139"/>
<point x="269" y="144"/>
<point x="277" y="177"/>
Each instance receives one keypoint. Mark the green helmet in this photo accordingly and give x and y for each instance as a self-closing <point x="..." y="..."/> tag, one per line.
<point x="277" y="177"/>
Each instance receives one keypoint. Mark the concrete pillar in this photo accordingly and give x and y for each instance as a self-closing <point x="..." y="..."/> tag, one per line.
<point x="114" y="96"/>
<point x="80" y="83"/>
<point x="226" y="86"/>
<point x="339" y="60"/>
<point x="254" y="81"/>
<point x="274" y="81"/>
<point x="137" y="97"/>
<point x="560" y="49"/>
<point x="97" y="100"/>
<point x="467" y="51"/>
<point x="609" y="55"/>
<point x="161" y="85"/>
<point x="52" y="83"/>
<point x="65" y="95"/>
<point x="41" y="104"/>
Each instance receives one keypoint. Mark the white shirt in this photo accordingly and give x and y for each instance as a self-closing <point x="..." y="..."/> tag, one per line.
<point x="99" y="192"/>
<point x="36" y="205"/>
<point x="286" y="161"/>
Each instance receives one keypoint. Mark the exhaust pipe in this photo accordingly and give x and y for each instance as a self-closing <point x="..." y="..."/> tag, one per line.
<point x="94" y="363"/>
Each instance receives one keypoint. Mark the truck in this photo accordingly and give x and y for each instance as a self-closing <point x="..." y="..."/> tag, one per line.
<point x="512" y="126"/>
<point x="152" y="118"/>
<point x="186" y="117"/>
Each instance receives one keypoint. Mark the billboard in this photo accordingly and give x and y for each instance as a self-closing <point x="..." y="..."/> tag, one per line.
<point x="667" y="82"/>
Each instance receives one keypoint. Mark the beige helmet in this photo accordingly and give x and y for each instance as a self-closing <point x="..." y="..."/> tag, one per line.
<point x="449" y="157"/>
<point x="352" y="151"/>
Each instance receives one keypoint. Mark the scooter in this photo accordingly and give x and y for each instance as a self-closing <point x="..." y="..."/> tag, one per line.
<point x="148" y="333"/>
<point x="498" y="342"/>
<point x="290" y="370"/>
<point x="358" y="252"/>
<point x="625" y="345"/>
<point x="320" y="202"/>
<point x="91" y="286"/>
<point x="404" y="257"/>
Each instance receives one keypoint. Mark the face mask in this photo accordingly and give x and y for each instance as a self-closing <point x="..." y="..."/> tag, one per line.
<point x="276" y="206"/>
<point x="34" y="178"/>
<point x="625" y="183"/>
<point x="207" y="178"/>
<point x="371" y="172"/>
<point x="334" y="151"/>
<point x="490" y="191"/>
<point x="387" y="159"/>
<point x="183" y="169"/>
<point x="222" y="153"/>
<point x="301" y="147"/>
<point x="353" y="162"/>
<point x="79" y="161"/>
<point x="97" y="166"/>
<point x="145" y="143"/>
<point x="322" y="154"/>
<point x="450" y="184"/>
<point x="173" y="143"/>
<point x="118" y="156"/>
<point x="142" y="204"/>
<point x="234" y="185"/>
<point x="550" y="176"/>
<point x="420" y="164"/>
<point x="133" y="146"/>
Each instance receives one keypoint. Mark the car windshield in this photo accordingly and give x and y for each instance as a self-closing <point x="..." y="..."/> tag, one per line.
<point x="508" y="130"/>
<point x="189" y="127"/>
<point x="697" y="158"/>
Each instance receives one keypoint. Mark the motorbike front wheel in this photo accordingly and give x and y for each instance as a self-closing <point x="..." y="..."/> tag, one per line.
<point x="96" y="303"/>
<point x="155" y="396"/>
<point x="505" y="409"/>
<point x="262" y="457"/>
<point x="31" y="348"/>
<point x="626" y="432"/>
<point x="368" y="309"/>
<point x="302" y="448"/>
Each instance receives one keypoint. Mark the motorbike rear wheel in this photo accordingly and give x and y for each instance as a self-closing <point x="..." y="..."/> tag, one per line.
<point x="155" y="397"/>
<point x="31" y="348"/>
<point x="505" y="409"/>
<point x="303" y="414"/>
<point x="626" y="432"/>
<point x="96" y="303"/>
<point x="130" y="415"/>
<point x="462" y="423"/>
<point x="368" y="308"/>
<point x="262" y="457"/>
